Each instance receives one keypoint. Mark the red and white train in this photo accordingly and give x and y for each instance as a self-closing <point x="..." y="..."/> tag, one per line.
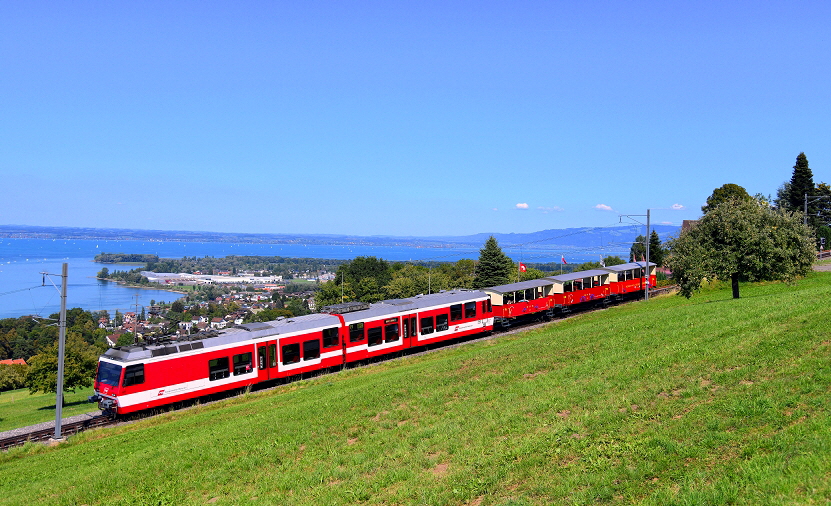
<point x="135" y="378"/>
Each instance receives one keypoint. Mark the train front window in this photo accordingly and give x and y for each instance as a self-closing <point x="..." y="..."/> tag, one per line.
<point x="108" y="374"/>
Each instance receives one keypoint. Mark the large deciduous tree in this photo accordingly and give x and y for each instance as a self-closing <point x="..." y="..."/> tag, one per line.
<point x="742" y="240"/>
<point x="80" y="361"/>
<point x="494" y="267"/>
<point x="724" y="193"/>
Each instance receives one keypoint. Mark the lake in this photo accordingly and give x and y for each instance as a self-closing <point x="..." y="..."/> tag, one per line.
<point x="24" y="291"/>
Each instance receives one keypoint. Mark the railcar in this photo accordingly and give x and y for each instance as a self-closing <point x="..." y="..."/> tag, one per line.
<point x="134" y="378"/>
<point x="628" y="281"/>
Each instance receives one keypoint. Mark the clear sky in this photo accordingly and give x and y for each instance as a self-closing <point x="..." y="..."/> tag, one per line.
<point x="402" y="118"/>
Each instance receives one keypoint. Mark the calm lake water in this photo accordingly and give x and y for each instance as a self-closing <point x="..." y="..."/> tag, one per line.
<point x="22" y="261"/>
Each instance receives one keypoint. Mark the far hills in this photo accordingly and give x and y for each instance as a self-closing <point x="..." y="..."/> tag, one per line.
<point x="585" y="237"/>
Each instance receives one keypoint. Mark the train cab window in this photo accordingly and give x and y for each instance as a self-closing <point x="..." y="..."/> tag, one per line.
<point x="455" y="312"/>
<point x="391" y="332"/>
<point x="218" y="368"/>
<point x="356" y="332"/>
<point x="242" y="363"/>
<point x="427" y="325"/>
<point x="330" y="337"/>
<point x="272" y="355"/>
<point x="470" y="310"/>
<point x="441" y="322"/>
<point x="375" y="336"/>
<point x="291" y="353"/>
<point x="134" y="375"/>
<point x="108" y="374"/>
<point x="311" y="349"/>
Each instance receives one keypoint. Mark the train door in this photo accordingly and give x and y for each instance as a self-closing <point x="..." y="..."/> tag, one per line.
<point x="409" y="330"/>
<point x="266" y="361"/>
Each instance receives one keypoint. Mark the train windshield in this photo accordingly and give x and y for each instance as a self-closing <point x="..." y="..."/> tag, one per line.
<point x="108" y="373"/>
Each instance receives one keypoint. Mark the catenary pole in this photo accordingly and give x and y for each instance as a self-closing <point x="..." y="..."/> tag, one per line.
<point x="61" y="350"/>
<point x="646" y="285"/>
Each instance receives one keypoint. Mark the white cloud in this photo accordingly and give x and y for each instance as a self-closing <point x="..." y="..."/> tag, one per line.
<point x="522" y="205"/>
<point x="496" y="209"/>
<point x="666" y="223"/>
<point x="546" y="210"/>
<point x="677" y="207"/>
<point x="603" y="207"/>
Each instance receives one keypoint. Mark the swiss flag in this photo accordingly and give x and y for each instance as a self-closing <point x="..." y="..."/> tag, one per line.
<point x="522" y="267"/>
<point x="563" y="258"/>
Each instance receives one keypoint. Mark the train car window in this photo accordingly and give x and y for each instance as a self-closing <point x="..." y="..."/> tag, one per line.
<point x="441" y="322"/>
<point x="391" y="332"/>
<point x="330" y="337"/>
<point x="291" y="353"/>
<point x="596" y="281"/>
<point x="311" y="349"/>
<point x="242" y="363"/>
<point x="427" y="325"/>
<point x="529" y="294"/>
<point x="455" y="312"/>
<point x="272" y="355"/>
<point x="375" y="336"/>
<point x="218" y="368"/>
<point x="470" y="310"/>
<point x="405" y="326"/>
<point x="486" y="306"/>
<point x="356" y="332"/>
<point x="577" y="284"/>
<point x="108" y="374"/>
<point x="568" y="286"/>
<point x="509" y="298"/>
<point x="413" y="329"/>
<point x="134" y="375"/>
<point x="262" y="357"/>
<point x="637" y="273"/>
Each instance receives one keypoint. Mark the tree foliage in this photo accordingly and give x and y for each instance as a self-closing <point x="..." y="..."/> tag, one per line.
<point x="801" y="183"/>
<point x="80" y="361"/>
<point x="494" y="267"/>
<point x="12" y="376"/>
<point x="741" y="240"/>
<point x="724" y="193"/>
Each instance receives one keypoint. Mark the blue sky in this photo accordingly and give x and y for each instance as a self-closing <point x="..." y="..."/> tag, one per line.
<point x="402" y="118"/>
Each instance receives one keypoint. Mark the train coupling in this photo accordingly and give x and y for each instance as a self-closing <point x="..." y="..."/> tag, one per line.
<point x="94" y="398"/>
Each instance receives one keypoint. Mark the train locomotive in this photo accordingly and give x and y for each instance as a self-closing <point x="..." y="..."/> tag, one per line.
<point x="140" y="377"/>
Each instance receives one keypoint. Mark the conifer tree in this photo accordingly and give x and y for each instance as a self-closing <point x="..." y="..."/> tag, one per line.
<point x="801" y="183"/>
<point x="494" y="267"/>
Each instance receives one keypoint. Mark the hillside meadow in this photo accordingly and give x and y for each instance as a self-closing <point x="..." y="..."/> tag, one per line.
<point x="673" y="401"/>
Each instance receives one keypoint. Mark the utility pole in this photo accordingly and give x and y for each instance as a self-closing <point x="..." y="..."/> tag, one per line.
<point x="646" y="240"/>
<point x="61" y="350"/>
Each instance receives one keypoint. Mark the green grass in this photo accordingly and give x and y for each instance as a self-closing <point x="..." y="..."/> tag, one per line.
<point x="18" y="408"/>
<point x="702" y="401"/>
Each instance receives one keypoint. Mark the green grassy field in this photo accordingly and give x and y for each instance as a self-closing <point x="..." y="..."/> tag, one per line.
<point x="18" y="408"/>
<point x="702" y="401"/>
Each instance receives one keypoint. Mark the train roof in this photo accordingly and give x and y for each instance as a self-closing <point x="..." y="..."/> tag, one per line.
<point x="571" y="276"/>
<point x="521" y="285"/>
<point x="249" y="331"/>
<point x="626" y="267"/>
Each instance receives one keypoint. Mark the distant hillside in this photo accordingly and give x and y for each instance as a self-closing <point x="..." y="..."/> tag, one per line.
<point x="606" y="237"/>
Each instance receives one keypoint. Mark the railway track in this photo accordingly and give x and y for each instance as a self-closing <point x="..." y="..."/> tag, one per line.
<point x="71" y="428"/>
<point x="67" y="429"/>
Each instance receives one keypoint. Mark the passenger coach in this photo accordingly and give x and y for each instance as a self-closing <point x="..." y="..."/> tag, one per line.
<point x="134" y="378"/>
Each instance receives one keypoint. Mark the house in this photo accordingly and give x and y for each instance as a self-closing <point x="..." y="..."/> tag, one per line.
<point x="218" y="323"/>
<point x="13" y="361"/>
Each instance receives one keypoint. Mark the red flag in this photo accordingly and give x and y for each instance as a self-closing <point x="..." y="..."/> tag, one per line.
<point x="563" y="258"/>
<point x="522" y="267"/>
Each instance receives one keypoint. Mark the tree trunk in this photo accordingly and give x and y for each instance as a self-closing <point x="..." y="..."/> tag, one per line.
<point x="734" y="278"/>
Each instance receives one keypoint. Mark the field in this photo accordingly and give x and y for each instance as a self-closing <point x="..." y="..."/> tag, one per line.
<point x="18" y="408"/>
<point x="674" y="401"/>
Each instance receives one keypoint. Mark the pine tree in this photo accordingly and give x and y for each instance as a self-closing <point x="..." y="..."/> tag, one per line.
<point x="801" y="183"/>
<point x="494" y="267"/>
<point x="656" y="250"/>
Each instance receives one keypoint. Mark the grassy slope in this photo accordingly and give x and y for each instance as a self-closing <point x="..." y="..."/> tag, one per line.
<point x="701" y="401"/>
<point x="18" y="408"/>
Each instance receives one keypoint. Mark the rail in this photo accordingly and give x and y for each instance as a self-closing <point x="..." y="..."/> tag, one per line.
<point x="67" y="429"/>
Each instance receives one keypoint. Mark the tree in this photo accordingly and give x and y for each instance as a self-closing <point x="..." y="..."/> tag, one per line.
<point x="742" y="240"/>
<point x="104" y="273"/>
<point x="724" y="193"/>
<point x="656" y="250"/>
<point x="177" y="306"/>
<point x="80" y="361"/>
<point x="613" y="260"/>
<point x="801" y="183"/>
<point x="494" y="268"/>
<point x="638" y="249"/>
